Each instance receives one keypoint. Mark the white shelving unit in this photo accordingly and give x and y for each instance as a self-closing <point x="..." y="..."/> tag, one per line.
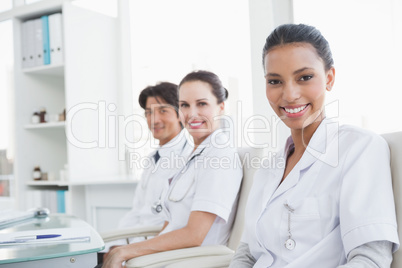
<point x="87" y="79"/>
<point x="54" y="70"/>
<point x="46" y="125"/>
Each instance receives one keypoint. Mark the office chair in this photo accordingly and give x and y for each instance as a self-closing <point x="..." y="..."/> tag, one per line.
<point x="394" y="141"/>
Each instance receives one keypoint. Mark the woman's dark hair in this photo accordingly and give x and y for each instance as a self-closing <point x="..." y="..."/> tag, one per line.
<point x="164" y="90"/>
<point x="212" y="79"/>
<point x="299" y="33"/>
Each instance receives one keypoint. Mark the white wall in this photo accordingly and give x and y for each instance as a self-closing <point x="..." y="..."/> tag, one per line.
<point x="264" y="17"/>
<point x="365" y="38"/>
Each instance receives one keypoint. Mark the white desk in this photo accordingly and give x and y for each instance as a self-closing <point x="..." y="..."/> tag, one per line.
<point x="78" y="254"/>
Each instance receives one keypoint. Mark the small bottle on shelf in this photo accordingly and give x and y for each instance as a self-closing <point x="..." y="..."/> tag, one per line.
<point x="62" y="116"/>
<point x="35" y="117"/>
<point x="42" y="115"/>
<point x="37" y="174"/>
<point x="64" y="174"/>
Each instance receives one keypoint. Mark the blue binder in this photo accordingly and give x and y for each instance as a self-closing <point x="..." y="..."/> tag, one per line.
<point x="46" y="47"/>
<point x="61" y="203"/>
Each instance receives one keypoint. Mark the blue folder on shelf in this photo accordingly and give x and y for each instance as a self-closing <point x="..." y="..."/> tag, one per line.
<point x="61" y="203"/>
<point x="46" y="47"/>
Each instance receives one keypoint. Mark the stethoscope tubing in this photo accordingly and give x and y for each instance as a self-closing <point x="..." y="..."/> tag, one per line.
<point x="157" y="206"/>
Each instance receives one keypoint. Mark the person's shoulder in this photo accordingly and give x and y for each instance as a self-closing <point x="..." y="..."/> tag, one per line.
<point x="219" y="150"/>
<point x="350" y="135"/>
<point x="220" y="144"/>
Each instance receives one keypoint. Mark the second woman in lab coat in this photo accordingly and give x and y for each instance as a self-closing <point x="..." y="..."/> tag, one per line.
<point x="199" y="202"/>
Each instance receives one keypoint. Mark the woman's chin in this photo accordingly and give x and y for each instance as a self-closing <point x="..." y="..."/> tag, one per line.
<point x="199" y="134"/>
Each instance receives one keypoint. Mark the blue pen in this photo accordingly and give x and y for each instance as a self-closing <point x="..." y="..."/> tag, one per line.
<point x="35" y="237"/>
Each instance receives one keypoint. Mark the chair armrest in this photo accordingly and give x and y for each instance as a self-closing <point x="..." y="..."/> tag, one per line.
<point x="222" y="261"/>
<point x="130" y="233"/>
<point x="173" y="256"/>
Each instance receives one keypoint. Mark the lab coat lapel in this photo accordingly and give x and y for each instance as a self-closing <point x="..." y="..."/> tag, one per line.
<point x="273" y="179"/>
<point x="316" y="150"/>
<point x="291" y="180"/>
<point x="274" y="176"/>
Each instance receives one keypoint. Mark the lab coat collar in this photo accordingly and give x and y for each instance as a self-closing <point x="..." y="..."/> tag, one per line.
<point x="216" y="138"/>
<point x="316" y="150"/>
<point x="326" y="132"/>
<point x="175" y="145"/>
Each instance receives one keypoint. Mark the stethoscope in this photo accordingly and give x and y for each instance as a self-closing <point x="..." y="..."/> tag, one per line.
<point x="145" y="180"/>
<point x="157" y="206"/>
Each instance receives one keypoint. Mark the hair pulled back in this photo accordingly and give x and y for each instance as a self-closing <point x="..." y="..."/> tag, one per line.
<point x="210" y="78"/>
<point x="299" y="33"/>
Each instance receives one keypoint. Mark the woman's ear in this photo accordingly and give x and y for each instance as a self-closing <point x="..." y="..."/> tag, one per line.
<point x="221" y="107"/>
<point x="330" y="78"/>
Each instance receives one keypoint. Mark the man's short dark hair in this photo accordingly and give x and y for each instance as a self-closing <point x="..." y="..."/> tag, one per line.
<point x="164" y="90"/>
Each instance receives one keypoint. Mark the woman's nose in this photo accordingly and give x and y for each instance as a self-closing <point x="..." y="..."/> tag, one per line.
<point x="291" y="92"/>
<point x="192" y="112"/>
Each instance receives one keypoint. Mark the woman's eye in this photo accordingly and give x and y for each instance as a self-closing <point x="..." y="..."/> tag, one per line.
<point x="163" y="111"/>
<point x="202" y="103"/>
<point x="148" y="113"/>
<point x="183" y="105"/>
<point x="306" y="77"/>
<point x="273" y="82"/>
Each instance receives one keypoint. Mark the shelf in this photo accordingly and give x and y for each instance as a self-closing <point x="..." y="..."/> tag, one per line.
<point x="61" y="124"/>
<point x="47" y="183"/>
<point x="63" y="86"/>
<point x="34" y="10"/>
<point x="53" y="70"/>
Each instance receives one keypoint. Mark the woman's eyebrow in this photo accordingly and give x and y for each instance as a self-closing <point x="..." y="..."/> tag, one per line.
<point x="294" y="73"/>
<point x="302" y="70"/>
<point x="202" y="99"/>
<point x="272" y="75"/>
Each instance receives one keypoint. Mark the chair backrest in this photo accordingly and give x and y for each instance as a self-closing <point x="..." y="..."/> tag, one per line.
<point x="394" y="141"/>
<point x="246" y="155"/>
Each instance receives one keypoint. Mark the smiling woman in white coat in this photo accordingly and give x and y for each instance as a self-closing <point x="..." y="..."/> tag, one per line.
<point x="331" y="203"/>
<point x="199" y="202"/>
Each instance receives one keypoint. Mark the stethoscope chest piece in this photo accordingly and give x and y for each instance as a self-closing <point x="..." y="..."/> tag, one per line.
<point x="157" y="207"/>
<point x="290" y="244"/>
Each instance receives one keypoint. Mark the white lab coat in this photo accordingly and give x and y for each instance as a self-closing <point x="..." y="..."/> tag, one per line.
<point x="210" y="182"/>
<point x="149" y="189"/>
<point x="341" y="193"/>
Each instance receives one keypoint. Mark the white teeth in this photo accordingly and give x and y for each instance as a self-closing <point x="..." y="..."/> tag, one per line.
<point x="195" y="124"/>
<point x="296" y="110"/>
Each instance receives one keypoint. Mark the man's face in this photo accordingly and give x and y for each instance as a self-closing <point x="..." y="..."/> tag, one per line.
<point x="162" y="119"/>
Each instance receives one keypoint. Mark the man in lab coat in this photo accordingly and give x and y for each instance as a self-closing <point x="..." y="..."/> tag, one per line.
<point x="160" y="103"/>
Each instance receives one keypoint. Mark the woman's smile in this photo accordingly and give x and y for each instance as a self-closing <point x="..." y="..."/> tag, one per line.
<point x="196" y="124"/>
<point x="296" y="110"/>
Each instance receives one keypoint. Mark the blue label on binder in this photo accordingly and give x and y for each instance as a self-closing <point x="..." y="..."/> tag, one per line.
<point x="46" y="46"/>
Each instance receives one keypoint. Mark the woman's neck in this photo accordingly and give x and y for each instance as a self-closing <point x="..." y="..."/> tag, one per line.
<point x="302" y="137"/>
<point x="198" y="141"/>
